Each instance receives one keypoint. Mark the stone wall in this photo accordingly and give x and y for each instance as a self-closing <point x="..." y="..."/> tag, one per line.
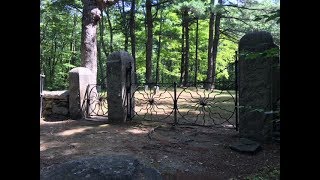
<point x="55" y="105"/>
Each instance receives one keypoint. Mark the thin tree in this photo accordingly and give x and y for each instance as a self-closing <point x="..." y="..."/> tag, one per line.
<point x="133" y="35"/>
<point x="101" y="30"/>
<point x="197" y="45"/>
<point x="124" y="24"/>
<point x="159" y="48"/>
<point x="209" y="84"/>
<point x="182" y="53"/>
<point x="110" y="30"/>
<point x="100" y="66"/>
<point x="187" y="42"/>
<point x="73" y="41"/>
<point x="216" y="44"/>
<point x="189" y="13"/>
<point x="149" y="43"/>
<point x="102" y="46"/>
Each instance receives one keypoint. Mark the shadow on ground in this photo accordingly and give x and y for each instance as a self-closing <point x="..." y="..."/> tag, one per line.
<point x="183" y="151"/>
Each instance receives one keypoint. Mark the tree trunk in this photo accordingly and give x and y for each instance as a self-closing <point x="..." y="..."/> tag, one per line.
<point x="149" y="42"/>
<point x="90" y="17"/>
<point x="103" y="44"/>
<point x="72" y="43"/>
<point x="162" y="77"/>
<point x="53" y="59"/>
<point x="124" y="25"/>
<point x="101" y="74"/>
<point x="73" y="32"/>
<point x="216" y="44"/>
<point x="209" y="84"/>
<point x="133" y="36"/>
<point x="186" y="68"/>
<point x="103" y="47"/>
<point x="197" y="44"/>
<point x="110" y="30"/>
<point x="182" y="54"/>
<point x="159" y="50"/>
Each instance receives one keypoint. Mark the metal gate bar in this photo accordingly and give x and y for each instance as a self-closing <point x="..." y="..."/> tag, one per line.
<point x="41" y="92"/>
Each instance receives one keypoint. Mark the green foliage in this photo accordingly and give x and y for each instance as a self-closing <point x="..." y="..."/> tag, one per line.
<point x="57" y="32"/>
<point x="195" y="8"/>
<point x="226" y="56"/>
<point x="273" y="52"/>
<point x="254" y="17"/>
<point x="60" y="34"/>
<point x="272" y="16"/>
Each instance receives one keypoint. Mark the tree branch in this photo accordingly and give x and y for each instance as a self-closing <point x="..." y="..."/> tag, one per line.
<point x="247" y="8"/>
<point x="155" y="14"/>
<point x="75" y="7"/>
<point x="243" y="7"/>
<point x="233" y="39"/>
<point x="239" y="19"/>
<point x="235" y="31"/>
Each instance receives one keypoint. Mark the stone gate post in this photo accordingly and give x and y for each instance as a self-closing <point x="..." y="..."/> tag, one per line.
<point x="258" y="86"/>
<point x="79" y="78"/>
<point x="120" y="75"/>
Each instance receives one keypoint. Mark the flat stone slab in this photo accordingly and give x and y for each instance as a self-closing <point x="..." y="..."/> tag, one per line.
<point x="56" y="94"/>
<point x="246" y="146"/>
<point x="120" y="167"/>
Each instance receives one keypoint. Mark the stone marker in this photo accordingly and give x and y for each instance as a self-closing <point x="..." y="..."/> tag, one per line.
<point x="246" y="146"/>
<point x="120" y="73"/>
<point x="120" y="167"/>
<point x="256" y="81"/>
<point x="79" y="78"/>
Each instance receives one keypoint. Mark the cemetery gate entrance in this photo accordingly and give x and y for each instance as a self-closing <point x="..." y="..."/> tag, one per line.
<point x="175" y="103"/>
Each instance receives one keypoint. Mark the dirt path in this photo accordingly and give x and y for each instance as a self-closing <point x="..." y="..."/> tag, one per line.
<point x="180" y="151"/>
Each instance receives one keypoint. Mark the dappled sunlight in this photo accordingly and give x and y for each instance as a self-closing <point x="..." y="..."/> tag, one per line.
<point x="104" y="125"/>
<point x="137" y="131"/>
<point x="43" y="148"/>
<point x="47" y="145"/>
<point x="69" y="152"/>
<point x="73" y="131"/>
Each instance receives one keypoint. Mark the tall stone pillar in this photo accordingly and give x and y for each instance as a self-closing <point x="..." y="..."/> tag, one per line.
<point x="258" y="86"/>
<point x="120" y="74"/>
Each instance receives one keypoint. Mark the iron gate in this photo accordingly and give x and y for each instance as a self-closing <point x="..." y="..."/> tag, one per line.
<point x="193" y="105"/>
<point x="41" y="92"/>
<point x="190" y="105"/>
<point x="96" y="101"/>
<point x="174" y="103"/>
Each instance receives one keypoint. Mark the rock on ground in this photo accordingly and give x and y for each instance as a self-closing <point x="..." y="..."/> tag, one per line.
<point x="120" y="167"/>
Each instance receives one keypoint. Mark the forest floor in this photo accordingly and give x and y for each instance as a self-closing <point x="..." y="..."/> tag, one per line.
<point x="185" y="152"/>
